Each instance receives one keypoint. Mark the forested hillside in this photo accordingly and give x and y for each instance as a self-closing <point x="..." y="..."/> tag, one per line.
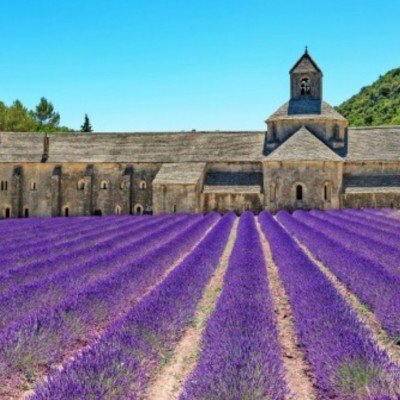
<point x="377" y="104"/>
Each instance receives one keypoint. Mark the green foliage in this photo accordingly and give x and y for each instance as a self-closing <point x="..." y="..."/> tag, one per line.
<point x="377" y="104"/>
<point x="45" y="114"/>
<point x="86" y="127"/>
<point x="18" y="118"/>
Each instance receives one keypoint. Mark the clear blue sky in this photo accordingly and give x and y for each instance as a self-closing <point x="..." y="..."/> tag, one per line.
<point x="148" y="65"/>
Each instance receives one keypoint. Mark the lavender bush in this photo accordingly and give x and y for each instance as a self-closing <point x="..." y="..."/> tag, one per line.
<point x="376" y="250"/>
<point x="241" y="356"/>
<point x="120" y="364"/>
<point x="372" y="283"/>
<point x="346" y="362"/>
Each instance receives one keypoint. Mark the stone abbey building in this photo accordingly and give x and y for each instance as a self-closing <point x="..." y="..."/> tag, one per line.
<point x="308" y="158"/>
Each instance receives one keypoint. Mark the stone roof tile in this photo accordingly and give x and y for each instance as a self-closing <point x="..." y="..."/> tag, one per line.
<point x="303" y="146"/>
<point x="179" y="174"/>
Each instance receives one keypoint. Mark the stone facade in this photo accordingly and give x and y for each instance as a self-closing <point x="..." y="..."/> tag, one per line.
<point x="308" y="158"/>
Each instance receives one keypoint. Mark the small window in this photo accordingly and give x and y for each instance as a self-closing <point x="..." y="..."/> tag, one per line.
<point x="138" y="209"/>
<point x="327" y="192"/>
<point x="26" y="212"/>
<point x="33" y="185"/>
<point x="7" y="213"/>
<point x="66" y="211"/>
<point x="117" y="210"/>
<point x="272" y="192"/>
<point x="174" y="208"/>
<point x="336" y="132"/>
<point x="143" y="185"/>
<point x="299" y="192"/>
<point x="104" y="185"/>
<point x="81" y="185"/>
<point x="305" y="87"/>
<point x="3" y="185"/>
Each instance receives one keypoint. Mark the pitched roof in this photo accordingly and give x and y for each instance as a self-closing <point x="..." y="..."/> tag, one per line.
<point x="21" y="147"/>
<point x="374" y="144"/>
<point x="306" y="108"/>
<point x="232" y="189"/>
<point x="303" y="146"/>
<point x="180" y="174"/>
<point x="305" y="64"/>
<point x="161" y="147"/>
<point x="370" y="190"/>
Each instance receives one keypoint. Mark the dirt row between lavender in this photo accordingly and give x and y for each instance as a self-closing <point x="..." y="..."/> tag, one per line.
<point x="70" y="356"/>
<point x="366" y="316"/>
<point x="298" y="372"/>
<point x="167" y="384"/>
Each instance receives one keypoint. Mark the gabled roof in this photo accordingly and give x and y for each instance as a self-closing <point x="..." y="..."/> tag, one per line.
<point x="180" y="174"/>
<point x="303" y="146"/>
<point x="305" y="64"/>
<point x="306" y="108"/>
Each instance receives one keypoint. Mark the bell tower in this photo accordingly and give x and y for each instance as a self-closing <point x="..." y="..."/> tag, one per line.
<point x="305" y="79"/>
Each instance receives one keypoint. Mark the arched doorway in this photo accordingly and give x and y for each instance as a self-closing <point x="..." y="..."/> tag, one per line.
<point x="138" y="209"/>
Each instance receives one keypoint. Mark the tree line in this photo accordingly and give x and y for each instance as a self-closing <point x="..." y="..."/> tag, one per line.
<point x="43" y="118"/>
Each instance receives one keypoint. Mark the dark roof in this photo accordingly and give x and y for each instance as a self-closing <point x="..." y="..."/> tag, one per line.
<point x="374" y="144"/>
<point x="306" y="108"/>
<point x="303" y="146"/>
<point x="305" y="64"/>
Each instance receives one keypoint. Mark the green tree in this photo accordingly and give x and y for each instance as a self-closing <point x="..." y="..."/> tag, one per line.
<point x="86" y="127"/>
<point x="45" y="114"/>
<point x="19" y="119"/>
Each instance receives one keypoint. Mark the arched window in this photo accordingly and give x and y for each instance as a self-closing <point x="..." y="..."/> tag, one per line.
<point x="336" y="132"/>
<point x="26" y="212"/>
<point x="138" y="209"/>
<point x="104" y="185"/>
<point x="305" y="87"/>
<point x="122" y="185"/>
<point x="66" y="211"/>
<point x="81" y="185"/>
<point x="117" y="210"/>
<point x="143" y="185"/>
<point x="33" y="185"/>
<point x="299" y="192"/>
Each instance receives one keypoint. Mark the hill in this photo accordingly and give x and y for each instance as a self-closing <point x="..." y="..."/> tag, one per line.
<point x="377" y="104"/>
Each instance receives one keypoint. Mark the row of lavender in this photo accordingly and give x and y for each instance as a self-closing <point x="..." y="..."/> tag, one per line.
<point x="118" y="366"/>
<point x="346" y="361"/>
<point x="45" y="321"/>
<point x="370" y="271"/>
<point x="241" y="356"/>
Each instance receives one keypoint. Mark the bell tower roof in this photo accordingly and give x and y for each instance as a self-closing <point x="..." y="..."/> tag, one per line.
<point x="305" y="64"/>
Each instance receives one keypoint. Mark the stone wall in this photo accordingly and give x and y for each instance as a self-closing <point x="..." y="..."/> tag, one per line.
<point x="282" y="178"/>
<point x="48" y="189"/>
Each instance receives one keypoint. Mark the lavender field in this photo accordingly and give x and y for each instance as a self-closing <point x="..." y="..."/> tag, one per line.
<point x="289" y="306"/>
